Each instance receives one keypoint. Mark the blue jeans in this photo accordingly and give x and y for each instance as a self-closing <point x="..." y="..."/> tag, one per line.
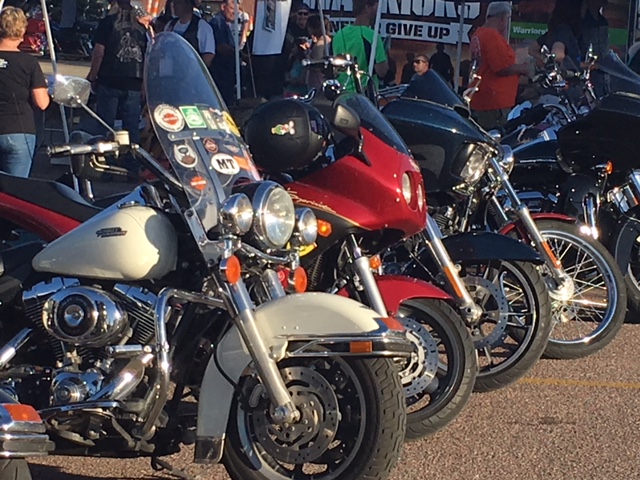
<point x="126" y="104"/>
<point x="111" y="101"/>
<point x="16" y="153"/>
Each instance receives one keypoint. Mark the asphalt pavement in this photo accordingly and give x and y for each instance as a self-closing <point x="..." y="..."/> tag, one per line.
<point x="576" y="419"/>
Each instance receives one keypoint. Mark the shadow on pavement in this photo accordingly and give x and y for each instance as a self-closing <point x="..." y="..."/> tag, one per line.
<point x="46" y="472"/>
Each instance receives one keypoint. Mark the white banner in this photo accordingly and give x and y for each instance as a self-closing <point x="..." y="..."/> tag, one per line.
<point x="270" y="26"/>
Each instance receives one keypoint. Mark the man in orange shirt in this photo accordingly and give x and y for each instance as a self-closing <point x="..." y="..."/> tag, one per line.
<point x="500" y="74"/>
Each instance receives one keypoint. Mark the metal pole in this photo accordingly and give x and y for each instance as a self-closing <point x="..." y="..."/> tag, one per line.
<point x="374" y="43"/>
<point x="1" y="4"/>
<point x="324" y="30"/>
<point x="456" y="78"/>
<point x="237" y="48"/>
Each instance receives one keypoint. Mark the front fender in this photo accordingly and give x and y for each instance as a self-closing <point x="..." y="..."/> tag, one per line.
<point x="483" y="246"/>
<point x="309" y="319"/>
<point x="560" y="217"/>
<point x="396" y="289"/>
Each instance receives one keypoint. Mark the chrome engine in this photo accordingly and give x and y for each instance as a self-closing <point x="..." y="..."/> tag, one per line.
<point x="82" y="325"/>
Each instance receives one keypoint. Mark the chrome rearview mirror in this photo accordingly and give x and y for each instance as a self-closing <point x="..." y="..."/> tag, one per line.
<point x="70" y="91"/>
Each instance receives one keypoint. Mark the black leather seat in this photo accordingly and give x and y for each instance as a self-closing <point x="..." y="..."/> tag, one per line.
<point x="47" y="194"/>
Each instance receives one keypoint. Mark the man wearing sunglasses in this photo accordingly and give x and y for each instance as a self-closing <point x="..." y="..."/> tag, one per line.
<point x="420" y="64"/>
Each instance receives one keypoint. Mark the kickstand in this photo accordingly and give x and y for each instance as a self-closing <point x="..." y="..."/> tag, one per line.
<point x="160" y="465"/>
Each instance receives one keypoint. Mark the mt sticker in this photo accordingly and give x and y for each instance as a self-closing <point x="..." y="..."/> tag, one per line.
<point x="225" y="164"/>
<point x="193" y="117"/>
<point x="168" y="118"/>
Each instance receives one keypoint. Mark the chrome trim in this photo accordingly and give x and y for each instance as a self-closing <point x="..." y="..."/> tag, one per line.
<point x="22" y="445"/>
<point x="9" y="350"/>
<point x="259" y="202"/>
<point x="363" y="269"/>
<point x="126" y="381"/>
<point x="95" y="407"/>
<point x="590" y="205"/>
<point x="234" y="212"/>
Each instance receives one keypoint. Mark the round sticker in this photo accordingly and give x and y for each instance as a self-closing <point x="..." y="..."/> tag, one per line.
<point x="168" y="118"/>
<point x="224" y="164"/>
<point x="185" y="155"/>
<point x="210" y="145"/>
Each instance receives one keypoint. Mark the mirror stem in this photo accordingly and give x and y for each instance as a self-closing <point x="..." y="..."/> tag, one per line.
<point x="94" y="115"/>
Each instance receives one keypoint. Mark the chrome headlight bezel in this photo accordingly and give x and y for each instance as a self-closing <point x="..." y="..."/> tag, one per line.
<point x="476" y="165"/>
<point x="236" y="214"/>
<point x="506" y="158"/>
<point x="273" y="229"/>
<point x="306" y="231"/>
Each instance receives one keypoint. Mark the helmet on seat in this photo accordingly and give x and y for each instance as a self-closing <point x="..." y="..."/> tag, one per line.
<point x="286" y="135"/>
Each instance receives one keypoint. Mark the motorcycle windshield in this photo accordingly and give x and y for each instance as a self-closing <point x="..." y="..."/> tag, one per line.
<point x="433" y="88"/>
<point x="621" y="77"/>
<point x="372" y="119"/>
<point x="192" y="124"/>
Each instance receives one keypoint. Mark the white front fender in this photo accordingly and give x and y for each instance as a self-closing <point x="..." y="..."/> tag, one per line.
<point x="309" y="320"/>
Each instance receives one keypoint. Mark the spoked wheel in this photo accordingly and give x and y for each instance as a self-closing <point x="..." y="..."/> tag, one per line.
<point x="439" y="377"/>
<point x="513" y="331"/>
<point x="352" y="423"/>
<point x="590" y="319"/>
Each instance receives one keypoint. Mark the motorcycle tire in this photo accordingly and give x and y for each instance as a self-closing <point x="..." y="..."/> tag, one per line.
<point x="523" y="298"/>
<point x="14" y="469"/>
<point x="436" y="389"/>
<point x="581" y="254"/>
<point x="366" y="432"/>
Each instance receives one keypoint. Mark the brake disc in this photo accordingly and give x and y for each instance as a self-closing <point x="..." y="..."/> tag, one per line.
<point x="308" y="438"/>
<point x="481" y="288"/>
<point x="421" y="368"/>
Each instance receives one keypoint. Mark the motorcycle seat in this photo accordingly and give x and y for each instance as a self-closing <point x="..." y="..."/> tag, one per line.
<point x="48" y="194"/>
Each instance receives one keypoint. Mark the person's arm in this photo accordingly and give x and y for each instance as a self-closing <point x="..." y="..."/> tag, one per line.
<point x="207" y="42"/>
<point x="96" y="61"/>
<point x="381" y="66"/>
<point x="39" y="91"/>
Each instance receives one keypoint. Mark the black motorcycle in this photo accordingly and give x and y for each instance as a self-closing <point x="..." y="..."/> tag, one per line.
<point x="466" y="176"/>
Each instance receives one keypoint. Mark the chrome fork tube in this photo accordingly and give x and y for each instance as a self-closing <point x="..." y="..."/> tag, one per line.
<point x="468" y="308"/>
<point x="590" y="209"/>
<point x="9" y="350"/>
<point x="363" y="269"/>
<point x="563" y="281"/>
<point x="285" y="410"/>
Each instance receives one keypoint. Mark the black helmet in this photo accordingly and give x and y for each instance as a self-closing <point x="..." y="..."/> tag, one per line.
<point x="285" y="135"/>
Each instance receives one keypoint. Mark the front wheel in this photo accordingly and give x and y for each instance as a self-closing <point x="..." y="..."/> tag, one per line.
<point x="516" y="321"/>
<point x="589" y="320"/>
<point x="438" y="378"/>
<point x="352" y="423"/>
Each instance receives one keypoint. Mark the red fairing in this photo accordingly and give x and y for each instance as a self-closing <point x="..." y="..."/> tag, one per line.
<point x="396" y="289"/>
<point x="538" y="216"/>
<point x="368" y="196"/>
<point x="46" y="224"/>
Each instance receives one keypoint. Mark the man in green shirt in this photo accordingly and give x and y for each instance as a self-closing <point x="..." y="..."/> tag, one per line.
<point x="357" y="41"/>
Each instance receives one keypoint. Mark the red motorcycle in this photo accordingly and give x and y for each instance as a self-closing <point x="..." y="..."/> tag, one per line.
<point x="367" y="194"/>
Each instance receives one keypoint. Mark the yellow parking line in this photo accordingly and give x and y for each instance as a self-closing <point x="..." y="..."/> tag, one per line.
<point x="562" y="382"/>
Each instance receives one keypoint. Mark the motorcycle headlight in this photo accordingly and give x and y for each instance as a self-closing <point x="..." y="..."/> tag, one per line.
<point x="306" y="226"/>
<point x="274" y="215"/>
<point x="236" y="214"/>
<point x="407" y="190"/>
<point x="475" y="167"/>
<point x="421" y="195"/>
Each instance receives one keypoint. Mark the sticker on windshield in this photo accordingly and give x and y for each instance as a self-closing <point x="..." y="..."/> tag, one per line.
<point x="197" y="182"/>
<point x="210" y="145"/>
<point x="193" y="117"/>
<point x="224" y="164"/>
<point x="283" y="129"/>
<point x="185" y="155"/>
<point x="168" y="118"/>
<point x="231" y="146"/>
<point x="231" y="124"/>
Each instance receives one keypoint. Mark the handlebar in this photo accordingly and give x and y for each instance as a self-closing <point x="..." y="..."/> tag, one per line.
<point x="65" y="150"/>
<point x="336" y="62"/>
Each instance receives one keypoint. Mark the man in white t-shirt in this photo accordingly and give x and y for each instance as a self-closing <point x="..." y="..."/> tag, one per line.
<point x="194" y="29"/>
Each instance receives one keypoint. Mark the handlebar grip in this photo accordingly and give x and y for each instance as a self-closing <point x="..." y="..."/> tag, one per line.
<point x="58" y="150"/>
<point x="66" y="149"/>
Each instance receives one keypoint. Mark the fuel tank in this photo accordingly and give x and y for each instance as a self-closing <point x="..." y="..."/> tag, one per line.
<point x="121" y="244"/>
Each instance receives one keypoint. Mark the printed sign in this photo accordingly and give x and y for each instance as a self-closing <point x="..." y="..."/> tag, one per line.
<point x="224" y="164"/>
<point x="168" y="118"/>
<point x="185" y="155"/>
<point x="193" y="117"/>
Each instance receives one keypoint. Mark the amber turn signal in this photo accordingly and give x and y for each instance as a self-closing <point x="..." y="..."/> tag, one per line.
<point x="361" y="347"/>
<point x="232" y="269"/>
<point x="324" y="228"/>
<point x="22" y="413"/>
<point x="300" y="280"/>
<point x="375" y="262"/>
